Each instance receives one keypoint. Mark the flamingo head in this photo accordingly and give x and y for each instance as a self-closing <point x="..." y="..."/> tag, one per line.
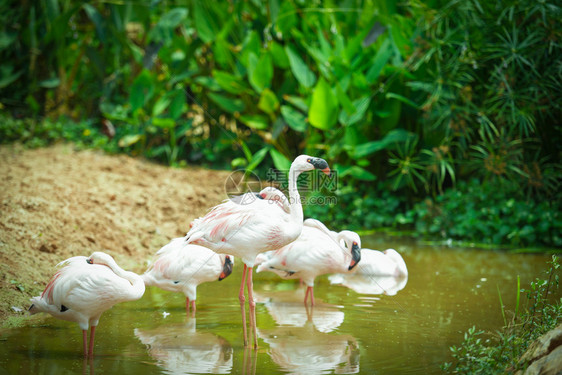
<point x="227" y="267"/>
<point x="99" y="257"/>
<point x="353" y="244"/>
<point x="305" y="163"/>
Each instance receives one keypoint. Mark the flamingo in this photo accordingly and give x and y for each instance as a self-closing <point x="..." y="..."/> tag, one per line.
<point x="382" y="263"/>
<point x="250" y="227"/>
<point x="317" y="251"/>
<point x="83" y="288"/>
<point x="181" y="267"/>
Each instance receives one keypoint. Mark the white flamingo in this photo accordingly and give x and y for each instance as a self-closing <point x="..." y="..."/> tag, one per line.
<point x="83" y="288"/>
<point x="181" y="267"/>
<point x="382" y="263"/>
<point x="315" y="252"/>
<point x="245" y="230"/>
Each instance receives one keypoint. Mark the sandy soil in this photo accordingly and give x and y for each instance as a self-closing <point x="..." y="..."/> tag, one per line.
<point x="57" y="202"/>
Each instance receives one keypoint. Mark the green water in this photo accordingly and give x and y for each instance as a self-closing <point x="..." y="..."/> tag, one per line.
<point x="448" y="290"/>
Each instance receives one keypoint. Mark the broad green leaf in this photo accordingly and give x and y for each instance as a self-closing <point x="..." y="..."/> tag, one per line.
<point x="257" y="158"/>
<point x="324" y="106"/>
<point x="142" y="90"/>
<point x="205" y="23"/>
<point x="297" y="102"/>
<point x="255" y="121"/>
<point x="229" y="82"/>
<point x="361" y="106"/>
<point x="97" y="19"/>
<point x="228" y="104"/>
<point x="280" y="58"/>
<point x="380" y="60"/>
<point x="294" y="118"/>
<point x="251" y="45"/>
<point x="129" y="140"/>
<point x="222" y="54"/>
<point x="177" y="105"/>
<point x="208" y="82"/>
<point x="394" y="136"/>
<point x="161" y="104"/>
<point x="173" y="18"/>
<point x="261" y="74"/>
<point x="300" y="70"/>
<point x="344" y="100"/>
<point x="279" y="160"/>
<point x="274" y="10"/>
<point x="268" y="102"/>
<point x="358" y="173"/>
<point x="287" y="18"/>
<point x="167" y="123"/>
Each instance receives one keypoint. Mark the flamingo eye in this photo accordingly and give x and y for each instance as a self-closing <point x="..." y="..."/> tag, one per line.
<point x="354" y="243"/>
<point x="89" y="261"/>
<point x="309" y="160"/>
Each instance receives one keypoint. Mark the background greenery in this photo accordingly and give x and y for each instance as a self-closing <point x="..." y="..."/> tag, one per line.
<point x="440" y="116"/>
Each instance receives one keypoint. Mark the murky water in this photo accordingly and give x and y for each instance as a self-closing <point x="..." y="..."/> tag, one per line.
<point x="407" y="330"/>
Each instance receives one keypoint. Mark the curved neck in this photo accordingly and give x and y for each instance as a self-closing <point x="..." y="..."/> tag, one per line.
<point x="295" y="206"/>
<point x="137" y="283"/>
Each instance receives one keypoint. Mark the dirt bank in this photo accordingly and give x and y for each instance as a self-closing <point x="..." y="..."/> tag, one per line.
<point x="58" y="202"/>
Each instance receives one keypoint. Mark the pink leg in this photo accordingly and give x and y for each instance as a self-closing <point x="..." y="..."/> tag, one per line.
<point x="91" y="347"/>
<point x="85" y="340"/>
<point x="242" y="306"/>
<point x="193" y="308"/>
<point x="309" y="290"/>
<point x="252" y="304"/>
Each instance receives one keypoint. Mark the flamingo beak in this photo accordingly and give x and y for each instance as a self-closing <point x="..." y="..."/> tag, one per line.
<point x="327" y="171"/>
<point x="226" y="269"/>
<point x="355" y="256"/>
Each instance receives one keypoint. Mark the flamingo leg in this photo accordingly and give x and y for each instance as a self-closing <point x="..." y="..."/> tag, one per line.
<point x="309" y="291"/>
<point x="91" y="347"/>
<point x="252" y="304"/>
<point x="85" y="340"/>
<point x="193" y="308"/>
<point x="242" y="305"/>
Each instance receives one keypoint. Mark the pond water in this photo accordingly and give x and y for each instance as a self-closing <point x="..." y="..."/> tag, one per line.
<point x="407" y="331"/>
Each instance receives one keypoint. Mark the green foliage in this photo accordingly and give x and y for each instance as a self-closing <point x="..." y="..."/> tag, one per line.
<point x="501" y="354"/>
<point x="414" y="96"/>
<point x="482" y="213"/>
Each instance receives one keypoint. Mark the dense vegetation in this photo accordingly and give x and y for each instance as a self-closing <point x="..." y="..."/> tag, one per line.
<point x="441" y="116"/>
<point x="502" y="353"/>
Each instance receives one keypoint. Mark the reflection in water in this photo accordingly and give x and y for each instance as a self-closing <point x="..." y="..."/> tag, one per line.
<point x="286" y="311"/>
<point x="370" y="284"/>
<point x="180" y="349"/>
<point x="306" y="350"/>
<point x="301" y="343"/>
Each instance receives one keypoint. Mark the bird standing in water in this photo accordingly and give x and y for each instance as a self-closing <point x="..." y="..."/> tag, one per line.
<point x="246" y="228"/>
<point x="181" y="267"/>
<point x="83" y="288"/>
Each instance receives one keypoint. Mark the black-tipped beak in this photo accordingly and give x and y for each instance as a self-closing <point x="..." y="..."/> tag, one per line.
<point x="321" y="164"/>
<point x="355" y="255"/>
<point x="226" y="269"/>
<point x="89" y="261"/>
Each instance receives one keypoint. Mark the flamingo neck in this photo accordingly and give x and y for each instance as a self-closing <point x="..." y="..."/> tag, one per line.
<point x="137" y="283"/>
<point x="295" y="206"/>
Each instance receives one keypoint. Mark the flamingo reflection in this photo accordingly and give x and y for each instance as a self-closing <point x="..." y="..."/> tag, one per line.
<point x="180" y="349"/>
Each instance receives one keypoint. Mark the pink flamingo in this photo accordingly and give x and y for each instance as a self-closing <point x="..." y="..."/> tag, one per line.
<point x="315" y="252"/>
<point x="250" y="227"/>
<point x="83" y="288"/>
<point x="181" y="267"/>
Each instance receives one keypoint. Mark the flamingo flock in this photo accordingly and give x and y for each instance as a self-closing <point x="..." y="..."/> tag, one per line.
<point x="264" y="229"/>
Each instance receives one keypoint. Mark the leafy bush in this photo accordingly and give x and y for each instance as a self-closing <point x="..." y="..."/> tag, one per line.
<point x="502" y="353"/>
<point x="483" y="213"/>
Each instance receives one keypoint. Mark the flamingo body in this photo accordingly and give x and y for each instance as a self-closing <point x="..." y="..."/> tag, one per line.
<point x="314" y="253"/>
<point x="382" y="263"/>
<point x="83" y="288"/>
<point x="181" y="267"/>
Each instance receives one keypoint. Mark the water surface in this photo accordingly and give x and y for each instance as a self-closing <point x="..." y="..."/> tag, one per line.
<point x="407" y="329"/>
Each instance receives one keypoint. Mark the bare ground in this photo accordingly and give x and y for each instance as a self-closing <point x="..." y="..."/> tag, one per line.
<point x="57" y="202"/>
